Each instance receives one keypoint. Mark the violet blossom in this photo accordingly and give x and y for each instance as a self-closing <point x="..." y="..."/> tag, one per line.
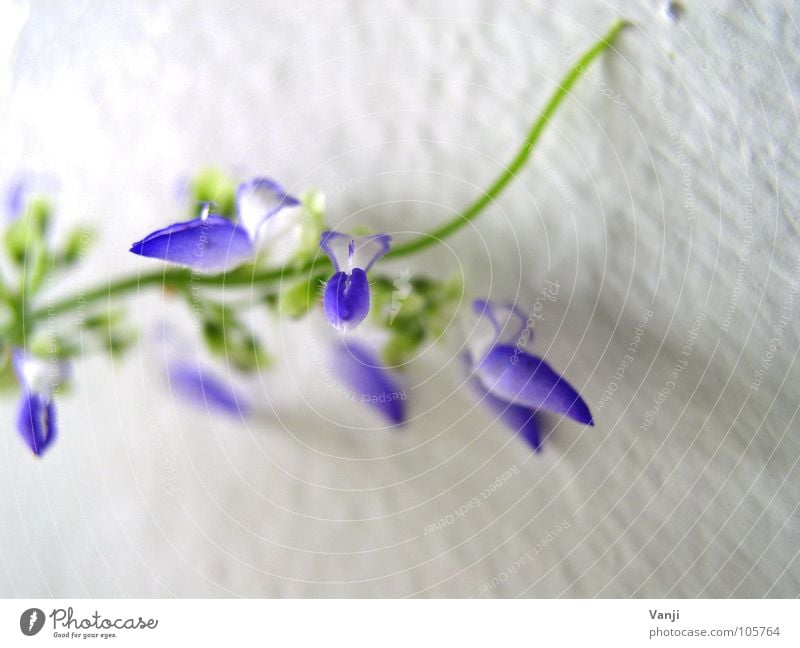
<point x="514" y="384"/>
<point x="212" y="243"/>
<point x="347" y="299"/>
<point x="36" y="420"/>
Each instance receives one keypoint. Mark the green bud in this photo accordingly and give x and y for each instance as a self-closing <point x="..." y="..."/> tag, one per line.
<point x="213" y="185"/>
<point x="404" y="305"/>
<point x="312" y="224"/>
<point x="52" y="346"/>
<point x="214" y="336"/>
<point x="402" y="345"/>
<point x="104" y="320"/>
<point x="380" y="298"/>
<point x="446" y="298"/>
<point x="118" y="342"/>
<point x="8" y="378"/>
<point x="298" y="299"/>
<point x="40" y="214"/>
<point x="246" y="353"/>
<point x="314" y="203"/>
<point x="27" y="234"/>
<point x="112" y="330"/>
<point x="77" y="244"/>
<point x="230" y="339"/>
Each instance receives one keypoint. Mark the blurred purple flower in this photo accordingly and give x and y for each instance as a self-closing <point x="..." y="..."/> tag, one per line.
<point x="15" y="199"/>
<point x="346" y="299"/>
<point x="362" y="372"/>
<point x="514" y="384"/>
<point x="36" y="420"/>
<point x="212" y="243"/>
<point x="195" y="383"/>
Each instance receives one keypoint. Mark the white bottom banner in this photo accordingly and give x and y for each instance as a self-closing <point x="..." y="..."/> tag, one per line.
<point x="379" y="623"/>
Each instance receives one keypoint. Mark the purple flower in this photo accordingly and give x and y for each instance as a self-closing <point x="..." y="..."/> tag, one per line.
<point x="369" y="381"/>
<point x="518" y="418"/>
<point x="36" y="420"/>
<point x="514" y="384"/>
<point x="346" y="299"/>
<point x="204" y="388"/>
<point x="212" y="243"/>
<point x="15" y="199"/>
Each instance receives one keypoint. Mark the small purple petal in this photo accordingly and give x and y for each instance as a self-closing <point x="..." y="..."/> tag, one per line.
<point x="213" y="244"/>
<point x="15" y="199"/>
<point x="346" y="299"/>
<point x="523" y="379"/>
<point x="521" y="420"/>
<point x="347" y="252"/>
<point x="37" y="422"/>
<point x="259" y="199"/>
<point x="200" y="386"/>
<point x="18" y="360"/>
<point x="372" y="383"/>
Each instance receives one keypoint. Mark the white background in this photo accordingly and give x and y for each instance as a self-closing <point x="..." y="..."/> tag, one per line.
<point x="679" y="197"/>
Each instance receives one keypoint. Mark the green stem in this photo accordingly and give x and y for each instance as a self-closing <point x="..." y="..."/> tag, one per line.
<point x="510" y="172"/>
<point x="248" y="276"/>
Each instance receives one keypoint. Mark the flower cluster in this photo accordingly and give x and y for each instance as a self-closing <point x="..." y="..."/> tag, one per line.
<point x="35" y="361"/>
<point x="223" y="245"/>
<point x="511" y="383"/>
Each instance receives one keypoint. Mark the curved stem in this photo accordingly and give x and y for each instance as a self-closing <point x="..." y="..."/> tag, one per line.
<point x="531" y="139"/>
<point x="248" y="276"/>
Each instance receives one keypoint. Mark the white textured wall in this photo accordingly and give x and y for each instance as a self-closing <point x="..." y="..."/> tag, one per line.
<point x="680" y="197"/>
